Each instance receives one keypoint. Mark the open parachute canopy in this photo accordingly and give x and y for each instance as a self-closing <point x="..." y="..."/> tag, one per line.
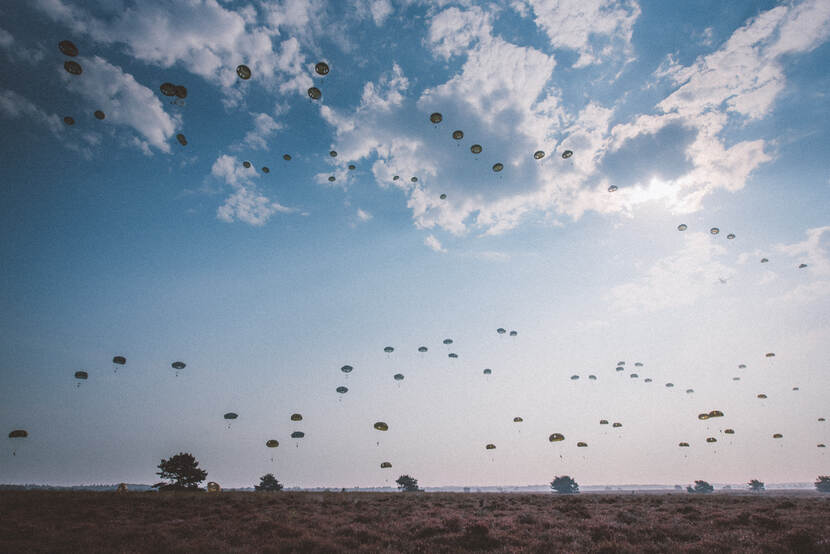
<point x="488" y="371"/>
<point x="714" y="230"/>
<point x="414" y="179"/>
<point x="297" y="435"/>
<point x="501" y="330"/>
<point x="684" y="444"/>
<point x="243" y="71"/>
<point x="333" y="153"/>
<point x="567" y="154"/>
<point x="711" y="439"/>
<point x="517" y="419"/>
<point x="342" y="390"/>
<point x="69" y="120"/>
<point x="321" y="68"/>
<point x="498" y="167"/>
<point x="436" y="117"/>
<point x="447" y="341"/>
<point x="476" y="149"/>
<point x="81" y="375"/>
<point x="770" y="354"/>
<point x="581" y="444"/>
<point x="273" y="443"/>
<point x="574" y="377"/>
<point x="265" y="169"/>
<point x="18" y="434"/>
<point x="802" y="266"/>
<point x="636" y="376"/>
<point x="385" y="465"/>
<point x="716" y="413"/>
<point x="213" y="486"/>
<point x="178" y="365"/>
<point x="777" y="436"/>
<point x="612" y="188"/>
<point x="398" y="377"/>
<point x="703" y="417"/>
<point x="730" y="236"/>
<point x="346" y="369"/>
<point x="514" y="333"/>
<point x="352" y="167"/>
<point x="669" y="385"/>
<point x="286" y="157"/>
<point x="68" y="48"/>
<point x="452" y="355"/>
<point x="762" y="396"/>
<point x="443" y="197"/>
<point x="73" y="67"/>
<point x="182" y="139"/>
<point x="422" y="349"/>
<point x="603" y="422"/>
<point x="647" y="380"/>
<point x="729" y="431"/>
<point x="638" y="364"/>
<point x="246" y="164"/>
<point x="120" y="360"/>
<point x="556" y="437"/>
<point x="296" y="417"/>
<point x="458" y="135"/>
<point x="538" y="155"/>
<point x="490" y="447"/>
<point x="168" y="89"/>
<point x="616" y="424"/>
<point x="388" y="349"/>
<point x="231" y="415"/>
<point x="741" y="366"/>
<point x="332" y="179"/>
<point x="381" y="426"/>
<point x="690" y="391"/>
<point x="314" y="93"/>
<point x="764" y="260"/>
<point x="99" y="115"/>
<point x="682" y="227"/>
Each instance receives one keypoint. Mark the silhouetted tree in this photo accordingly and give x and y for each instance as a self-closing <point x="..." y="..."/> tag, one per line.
<point x="183" y="470"/>
<point x="701" y="487"/>
<point x="564" y="485"/>
<point x="268" y="483"/>
<point x="407" y="483"/>
<point x="823" y="483"/>
<point x="756" y="486"/>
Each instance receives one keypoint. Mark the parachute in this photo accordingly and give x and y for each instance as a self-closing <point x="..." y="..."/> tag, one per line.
<point x="333" y="153"/>
<point x="716" y="413"/>
<point x="538" y="155"/>
<point x="764" y="260"/>
<point x="120" y="360"/>
<point x="297" y="435"/>
<point x="711" y="439"/>
<point x="213" y="486"/>
<point x="67" y="48"/>
<point x="265" y="169"/>
<point x="396" y="177"/>
<point x="778" y="436"/>
<point x="422" y="349"/>
<point x="682" y="227"/>
<point x="638" y="364"/>
<point x="736" y="378"/>
<point x="331" y="179"/>
<point x="385" y="465"/>
<point x="447" y="341"/>
<point x="730" y="236"/>
<point x="181" y="92"/>
<point x="684" y="444"/>
<point x="122" y="487"/>
<point x="243" y="71"/>
<point x="517" y="420"/>
<point x="398" y="377"/>
<point x="18" y="434"/>
<point x="346" y="369"/>
<point x="714" y="230"/>
<point x="436" y="117"/>
<point x="742" y="366"/>
<point x="635" y="376"/>
<point x="556" y="437"/>
<point x="286" y="157"/>
<point x="795" y="388"/>
<point x="498" y="167"/>
<point x="514" y="333"/>
<point x="612" y="188"/>
<point x="490" y="447"/>
<point x="322" y="68"/>
<point x="703" y="417"/>
<point x="458" y="135"/>
<point x="574" y="377"/>
<point x="414" y="179"/>
<point x="616" y="424"/>
<point x="567" y="154"/>
<point x="273" y="443"/>
<point x="821" y="419"/>
<point x="476" y="149"/>
<point x="81" y="375"/>
<point x="488" y="371"/>
<point x="802" y="266"/>
<point x="443" y="197"/>
<point x="72" y="67"/>
<point x="770" y="354"/>
<point x="762" y="396"/>
<point x="581" y="444"/>
<point x="501" y="330"/>
<point x="99" y="115"/>
<point x="182" y="140"/>
<point x="388" y="349"/>
<point x="246" y="164"/>
<point x="352" y="167"/>
<point x="342" y="390"/>
<point x="621" y="363"/>
<point x="729" y="431"/>
<point x="603" y="422"/>
<point x="231" y="415"/>
<point x="619" y="368"/>
<point x="168" y="89"/>
<point x="452" y="355"/>
<point x="314" y="93"/>
<point x="821" y="445"/>
<point x="647" y="380"/>
<point x="669" y="385"/>
<point x="69" y="120"/>
<point x="296" y="417"/>
<point x="690" y="391"/>
<point x="381" y="426"/>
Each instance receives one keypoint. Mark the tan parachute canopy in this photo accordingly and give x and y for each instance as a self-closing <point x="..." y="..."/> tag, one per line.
<point x="381" y="426"/>
<point x="567" y="154"/>
<point x="517" y="419"/>
<point x="476" y="149"/>
<point x="322" y="68"/>
<point x="684" y="444"/>
<point x="168" y="89"/>
<point x="182" y="139"/>
<point x="616" y="424"/>
<point x="556" y="437"/>
<point x="120" y="360"/>
<point x="436" y="117"/>
<point x="68" y="48"/>
<point x="385" y="465"/>
<point x="703" y="416"/>
<point x="213" y="486"/>
<point x="314" y="93"/>
<point x="73" y="67"/>
<point x="81" y="375"/>
<point x="273" y="443"/>
<point x="296" y="417"/>
<point x="18" y="434"/>
<point x="711" y="439"/>
<point x="490" y="447"/>
<point x="458" y="135"/>
<point x="243" y="71"/>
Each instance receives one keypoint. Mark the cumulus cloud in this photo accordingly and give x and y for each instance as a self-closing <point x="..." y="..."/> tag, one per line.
<point x="125" y="102"/>
<point x="264" y="127"/>
<point x="434" y="244"/>
<point x="245" y="203"/>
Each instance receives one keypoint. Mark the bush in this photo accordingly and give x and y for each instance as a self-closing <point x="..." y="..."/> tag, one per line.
<point x="183" y="470"/>
<point x="407" y="483"/>
<point x="756" y="486"/>
<point x="564" y="485"/>
<point x="268" y="483"/>
<point x="701" y="487"/>
<point x="823" y="483"/>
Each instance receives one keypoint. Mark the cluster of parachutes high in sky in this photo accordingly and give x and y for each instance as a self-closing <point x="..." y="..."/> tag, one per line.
<point x="179" y="92"/>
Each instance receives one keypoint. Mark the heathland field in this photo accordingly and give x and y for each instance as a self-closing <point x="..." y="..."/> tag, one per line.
<point x="42" y="521"/>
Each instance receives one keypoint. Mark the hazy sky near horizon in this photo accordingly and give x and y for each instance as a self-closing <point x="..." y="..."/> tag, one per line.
<point x="117" y="240"/>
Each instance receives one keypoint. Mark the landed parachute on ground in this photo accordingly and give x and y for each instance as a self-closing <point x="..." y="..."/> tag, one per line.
<point x="381" y="426"/>
<point x="243" y="71"/>
<point x="556" y="437"/>
<point x="322" y="68"/>
<point x="273" y="443"/>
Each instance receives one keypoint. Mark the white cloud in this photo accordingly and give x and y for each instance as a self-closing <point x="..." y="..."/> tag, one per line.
<point x="811" y="251"/>
<point x="264" y="127"/>
<point x="453" y="30"/>
<point x="363" y="216"/>
<point x="124" y="101"/>
<point x="245" y="203"/>
<point x="378" y="10"/>
<point x="596" y="29"/>
<point x="15" y="106"/>
<point x="434" y="244"/>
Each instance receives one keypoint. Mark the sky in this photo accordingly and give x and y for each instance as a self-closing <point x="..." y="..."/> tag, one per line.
<point x="117" y="240"/>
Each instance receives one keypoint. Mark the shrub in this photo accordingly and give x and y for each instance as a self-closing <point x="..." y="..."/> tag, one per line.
<point x="183" y="470"/>
<point x="407" y="483"/>
<point x="823" y="483"/>
<point x="564" y="485"/>
<point x="756" y="486"/>
<point x="268" y="483"/>
<point x="701" y="487"/>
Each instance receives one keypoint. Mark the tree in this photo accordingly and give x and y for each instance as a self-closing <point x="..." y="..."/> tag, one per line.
<point x="756" y="486"/>
<point x="407" y="483"/>
<point x="701" y="487"/>
<point x="268" y="483"/>
<point x="183" y="470"/>
<point x="823" y="483"/>
<point x="564" y="485"/>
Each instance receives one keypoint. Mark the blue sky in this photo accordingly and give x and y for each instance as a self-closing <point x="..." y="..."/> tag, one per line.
<point x="117" y="240"/>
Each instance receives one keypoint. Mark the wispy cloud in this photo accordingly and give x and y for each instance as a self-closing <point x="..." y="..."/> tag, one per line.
<point x="245" y="203"/>
<point x="15" y="106"/>
<point x="434" y="244"/>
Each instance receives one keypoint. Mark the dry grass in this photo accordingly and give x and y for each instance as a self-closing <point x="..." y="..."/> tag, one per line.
<point x="41" y="521"/>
